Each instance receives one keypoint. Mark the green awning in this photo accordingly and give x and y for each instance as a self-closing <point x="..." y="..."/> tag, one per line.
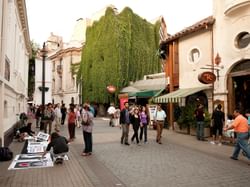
<point x="144" y="94"/>
<point x="176" y="96"/>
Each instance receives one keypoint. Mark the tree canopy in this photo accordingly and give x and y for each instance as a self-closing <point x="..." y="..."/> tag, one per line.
<point x="119" y="48"/>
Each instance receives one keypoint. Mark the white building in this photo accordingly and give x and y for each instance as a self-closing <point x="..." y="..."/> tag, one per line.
<point x="219" y="44"/>
<point x="15" y="50"/>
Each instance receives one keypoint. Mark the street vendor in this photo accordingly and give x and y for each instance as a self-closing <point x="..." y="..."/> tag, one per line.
<point x="60" y="147"/>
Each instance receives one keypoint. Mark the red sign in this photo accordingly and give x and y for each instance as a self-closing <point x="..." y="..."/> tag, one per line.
<point x="207" y="77"/>
<point x="111" y="89"/>
<point x="122" y="101"/>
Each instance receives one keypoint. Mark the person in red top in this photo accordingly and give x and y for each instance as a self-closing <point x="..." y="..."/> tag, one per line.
<point x="71" y="122"/>
<point x="240" y="126"/>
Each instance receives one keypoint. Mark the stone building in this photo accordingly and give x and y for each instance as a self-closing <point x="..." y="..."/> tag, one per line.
<point x="15" y="51"/>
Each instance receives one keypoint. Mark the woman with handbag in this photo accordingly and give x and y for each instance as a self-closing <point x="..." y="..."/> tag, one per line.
<point x="87" y="127"/>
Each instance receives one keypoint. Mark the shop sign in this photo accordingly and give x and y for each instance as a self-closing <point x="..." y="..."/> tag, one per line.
<point x="207" y="77"/>
<point x="111" y="89"/>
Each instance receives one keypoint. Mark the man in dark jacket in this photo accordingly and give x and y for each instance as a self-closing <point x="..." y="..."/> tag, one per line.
<point x="59" y="145"/>
<point x="124" y="124"/>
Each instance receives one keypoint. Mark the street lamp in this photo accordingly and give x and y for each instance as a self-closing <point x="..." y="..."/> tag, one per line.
<point x="43" y="89"/>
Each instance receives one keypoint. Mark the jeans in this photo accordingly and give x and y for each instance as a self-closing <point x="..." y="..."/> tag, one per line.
<point x="242" y="143"/>
<point x="200" y="130"/>
<point x="125" y="132"/>
<point x="87" y="136"/>
<point x="143" y="129"/>
<point x="135" y="135"/>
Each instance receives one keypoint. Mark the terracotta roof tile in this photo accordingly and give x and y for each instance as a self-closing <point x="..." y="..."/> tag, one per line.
<point x="203" y="24"/>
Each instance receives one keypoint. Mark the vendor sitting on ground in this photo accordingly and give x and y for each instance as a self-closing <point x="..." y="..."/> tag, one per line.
<point x="60" y="147"/>
<point x="25" y="131"/>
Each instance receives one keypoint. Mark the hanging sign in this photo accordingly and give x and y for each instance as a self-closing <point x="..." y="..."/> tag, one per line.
<point x="207" y="77"/>
<point x="111" y="89"/>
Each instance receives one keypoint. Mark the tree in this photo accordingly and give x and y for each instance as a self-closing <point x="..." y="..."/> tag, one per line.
<point x="118" y="49"/>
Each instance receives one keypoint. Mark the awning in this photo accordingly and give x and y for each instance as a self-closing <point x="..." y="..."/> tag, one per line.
<point x="176" y="96"/>
<point x="144" y="94"/>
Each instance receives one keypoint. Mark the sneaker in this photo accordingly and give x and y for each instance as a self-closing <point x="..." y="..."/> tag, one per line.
<point x="233" y="158"/>
<point x="127" y="143"/>
<point x="59" y="160"/>
<point x="244" y="153"/>
<point x="146" y="142"/>
<point x="219" y="144"/>
<point x="212" y="142"/>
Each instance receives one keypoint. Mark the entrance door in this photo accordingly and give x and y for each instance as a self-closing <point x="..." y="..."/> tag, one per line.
<point x="239" y="87"/>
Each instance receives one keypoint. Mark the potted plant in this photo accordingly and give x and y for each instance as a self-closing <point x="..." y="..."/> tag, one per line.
<point x="186" y="118"/>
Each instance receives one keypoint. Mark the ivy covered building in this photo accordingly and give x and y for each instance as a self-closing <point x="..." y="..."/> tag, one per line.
<point x="119" y="48"/>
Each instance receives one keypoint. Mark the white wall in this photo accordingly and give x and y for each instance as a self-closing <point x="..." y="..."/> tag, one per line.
<point x="189" y="71"/>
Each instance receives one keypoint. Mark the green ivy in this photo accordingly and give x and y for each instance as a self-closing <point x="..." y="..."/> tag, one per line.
<point x="118" y="49"/>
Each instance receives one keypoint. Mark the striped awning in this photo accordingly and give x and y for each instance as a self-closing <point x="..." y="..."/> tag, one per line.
<point x="176" y="96"/>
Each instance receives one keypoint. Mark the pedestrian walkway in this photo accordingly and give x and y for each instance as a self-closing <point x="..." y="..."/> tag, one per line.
<point x="112" y="163"/>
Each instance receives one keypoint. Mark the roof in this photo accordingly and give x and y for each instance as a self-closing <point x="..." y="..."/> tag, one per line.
<point x="203" y="24"/>
<point x="130" y="89"/>
<point x="150" y="84"/>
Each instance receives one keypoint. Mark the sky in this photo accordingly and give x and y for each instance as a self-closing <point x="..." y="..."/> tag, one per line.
<point x="59" y="16"/>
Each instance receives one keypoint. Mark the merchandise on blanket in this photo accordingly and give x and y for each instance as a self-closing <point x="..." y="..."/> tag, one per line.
<point x="27" y="161"/>
<point x="41" y="136"/>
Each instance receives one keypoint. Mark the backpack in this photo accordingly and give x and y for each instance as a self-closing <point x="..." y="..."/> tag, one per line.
<point x="5" y="154"/>
<point x="86" y="120"/>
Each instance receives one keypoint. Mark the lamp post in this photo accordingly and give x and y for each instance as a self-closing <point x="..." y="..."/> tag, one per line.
<point x="44" y="55"/>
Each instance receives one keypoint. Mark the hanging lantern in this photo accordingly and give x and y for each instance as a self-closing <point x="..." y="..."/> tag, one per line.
<point x="111" y="89"/>
<point x="217" y="59"/>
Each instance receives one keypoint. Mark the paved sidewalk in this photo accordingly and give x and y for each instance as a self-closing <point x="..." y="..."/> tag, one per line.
<point x="113" y="164"/>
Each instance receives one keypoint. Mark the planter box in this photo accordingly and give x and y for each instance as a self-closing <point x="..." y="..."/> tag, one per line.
<point x="182" y="130"/>
<point x="206" y="132"/>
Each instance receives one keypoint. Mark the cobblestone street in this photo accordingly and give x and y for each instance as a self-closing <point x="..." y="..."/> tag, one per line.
<point x="180" y="161"/>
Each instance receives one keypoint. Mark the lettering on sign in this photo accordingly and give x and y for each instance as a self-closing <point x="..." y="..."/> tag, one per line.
<point x="207" y="77"/>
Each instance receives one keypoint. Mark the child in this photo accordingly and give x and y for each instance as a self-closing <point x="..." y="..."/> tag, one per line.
<point x="60" y="147"/>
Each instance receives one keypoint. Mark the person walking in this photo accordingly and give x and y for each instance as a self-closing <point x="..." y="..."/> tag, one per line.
<point x="87" y="128"/>
<point x="124" y="123"/>
<point x="71" y="122"/>
<point x="199" y="114"/>
<point x="58" y="117"/>
<point x="48" y="117"/>
<point x="218" y="118"/>
<point x="64" y="113"/>
<point x="240" y="126"/>
<point x="38" y="116"/>
<point x="144" y="124"/>
<point x="159" y="117"/>
<point x="135" y="121"/>
<point x="111" y="112"/>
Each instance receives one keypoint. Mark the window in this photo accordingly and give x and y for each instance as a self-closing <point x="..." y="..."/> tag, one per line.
<point x="5" y="109"/>
<point x="7" y="70"/>
<point x="194" y="55"/>
<point x="242" y="40"/>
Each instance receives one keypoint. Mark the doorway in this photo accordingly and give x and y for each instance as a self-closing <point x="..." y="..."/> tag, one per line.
<point x="239" y="87"/>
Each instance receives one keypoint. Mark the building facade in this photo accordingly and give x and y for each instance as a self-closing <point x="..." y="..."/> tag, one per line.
<point x="218" y="48"/>
<point x="15" y="51"/>
<point x="65" y="65"/>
